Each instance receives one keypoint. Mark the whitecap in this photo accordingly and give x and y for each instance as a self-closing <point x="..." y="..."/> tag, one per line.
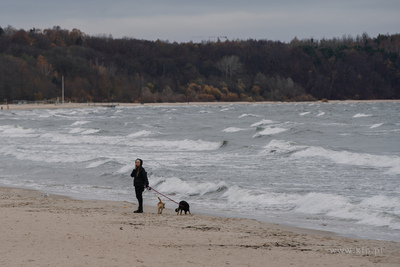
<point x="140" y="133"/>
<point x="350" y="158"/>
<point x="50" y="156"/>
<point x="79" y="123"/>
<point x="361" y="115"/>
<point x="76" y="130"/>
<point x="320" y="203"/>
<point x="16" y="131"/>
<point x="321" y="114"/>
<point x="181" y="145"/>
<point x="281" y="146"/>
<point x="377" y="210"/>
<point x="248" y="115"/>
<point x="246" y="197"/>
<point x="304" y="113"/>
<point x="263" y="122"/>
<point x="97" y="163"/>
<point x="233" y="130"/>
<point x="175" y="185"/>
<point x="90" y="131"/>
<point x="376" y="125"/>
<point x="126" y="169"/>
<point x="270" y="131"/>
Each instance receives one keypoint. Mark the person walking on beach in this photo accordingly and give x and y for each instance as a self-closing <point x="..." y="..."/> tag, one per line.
<point x="140" y="181"/>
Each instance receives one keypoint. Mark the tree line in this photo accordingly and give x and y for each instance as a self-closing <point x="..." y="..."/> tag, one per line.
<point x="103" y="69"/>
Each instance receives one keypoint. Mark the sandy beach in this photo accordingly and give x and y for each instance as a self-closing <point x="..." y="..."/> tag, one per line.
<point x="96" y="105"/>
<point x="50" y="230"/>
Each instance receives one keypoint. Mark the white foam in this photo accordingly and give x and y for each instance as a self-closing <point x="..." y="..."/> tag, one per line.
<point x="321" y="113"/>
<point x="361" y="115"/>
<point x="350" y="158"/>
<point x="244" y="197"/>
<point x="339" y="207"/>
<point x="79" y="123"/>
<point x="83" y="131"/>
<point x="320" y="203"/>
<point x="90" y="131"/>
<point x="270" y="131"/>
<point x="263" y="122"/>
<point x="16" y="131"/>
<point x="76" y="130"/>
<point x="175" y="185"/>
<point x="382" y="203"/>
<point x="394" y="170"/>
<point x="233" y="130"/>
<point x="248" y="115"/>
<point x="50" y="156"/>
<point x="281" y="146"/>
<point x="304" y="113"/>
<point x="377" y="210"/>
<point x="97" y="163"/>
<point x="140" y="134"/>
<point x="125" y="169"/>
<point x="183" y="145"/>
<point x="376" y="125"/>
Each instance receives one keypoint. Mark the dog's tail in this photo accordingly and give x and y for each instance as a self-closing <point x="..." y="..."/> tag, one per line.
<point x="159" y="199"/>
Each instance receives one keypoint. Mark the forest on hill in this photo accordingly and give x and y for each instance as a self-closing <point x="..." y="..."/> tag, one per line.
<point x="103" y="69"/>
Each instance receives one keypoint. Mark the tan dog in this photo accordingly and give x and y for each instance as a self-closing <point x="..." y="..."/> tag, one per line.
<point x="160" y="206"/>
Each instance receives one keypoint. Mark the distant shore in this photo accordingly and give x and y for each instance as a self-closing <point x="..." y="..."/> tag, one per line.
<point x="115" y="104"/>
<point x="40" y="229"/>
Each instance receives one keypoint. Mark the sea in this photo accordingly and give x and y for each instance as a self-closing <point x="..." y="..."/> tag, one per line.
<point x="324" y="166"/>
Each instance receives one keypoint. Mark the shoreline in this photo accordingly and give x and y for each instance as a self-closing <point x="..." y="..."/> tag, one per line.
<point x="39" y="229"/>
<point x="116" y="104"/>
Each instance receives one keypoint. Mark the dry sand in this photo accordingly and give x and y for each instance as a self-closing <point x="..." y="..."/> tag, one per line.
<point x="41" y="230"/>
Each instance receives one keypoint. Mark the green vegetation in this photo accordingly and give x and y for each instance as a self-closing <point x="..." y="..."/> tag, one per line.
<point x="103" y="69"/>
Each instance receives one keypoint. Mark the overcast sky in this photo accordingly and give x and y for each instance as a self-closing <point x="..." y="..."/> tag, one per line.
<point x="183" y="21"/>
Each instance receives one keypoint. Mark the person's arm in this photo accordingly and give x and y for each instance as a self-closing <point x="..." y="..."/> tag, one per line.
<point x="146" y="180"/>
<point x="133" y="173"/>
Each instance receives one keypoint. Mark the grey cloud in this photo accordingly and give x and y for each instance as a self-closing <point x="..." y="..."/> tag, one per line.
<point x="178" y="20"/>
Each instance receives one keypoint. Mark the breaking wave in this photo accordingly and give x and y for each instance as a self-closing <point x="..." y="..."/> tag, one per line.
<point x="376" y="210"/>
<point x="270" y="131"/>
<point x="233" y="130"/>
<point x="261" y="123"/>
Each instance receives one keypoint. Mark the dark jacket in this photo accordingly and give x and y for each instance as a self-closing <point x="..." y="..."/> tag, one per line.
<point x="140" y="178"/>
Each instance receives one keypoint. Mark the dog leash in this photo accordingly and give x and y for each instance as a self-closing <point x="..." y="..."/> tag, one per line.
<point x="164" y="196"/>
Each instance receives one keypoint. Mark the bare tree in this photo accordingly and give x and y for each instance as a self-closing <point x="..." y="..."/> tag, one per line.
<point x="112" y="68"/>
<point x="9" y="30"/>
<point x="229" y="65"/>
<point x="45" y="67"/>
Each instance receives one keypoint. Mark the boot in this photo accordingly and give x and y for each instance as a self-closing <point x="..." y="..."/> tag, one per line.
<point x="139" y="210"/>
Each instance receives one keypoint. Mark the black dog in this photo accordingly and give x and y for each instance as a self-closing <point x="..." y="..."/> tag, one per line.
<point x="183" y="206"/>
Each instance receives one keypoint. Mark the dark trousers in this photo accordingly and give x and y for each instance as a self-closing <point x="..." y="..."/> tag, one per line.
<point x="139" y="191"/>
